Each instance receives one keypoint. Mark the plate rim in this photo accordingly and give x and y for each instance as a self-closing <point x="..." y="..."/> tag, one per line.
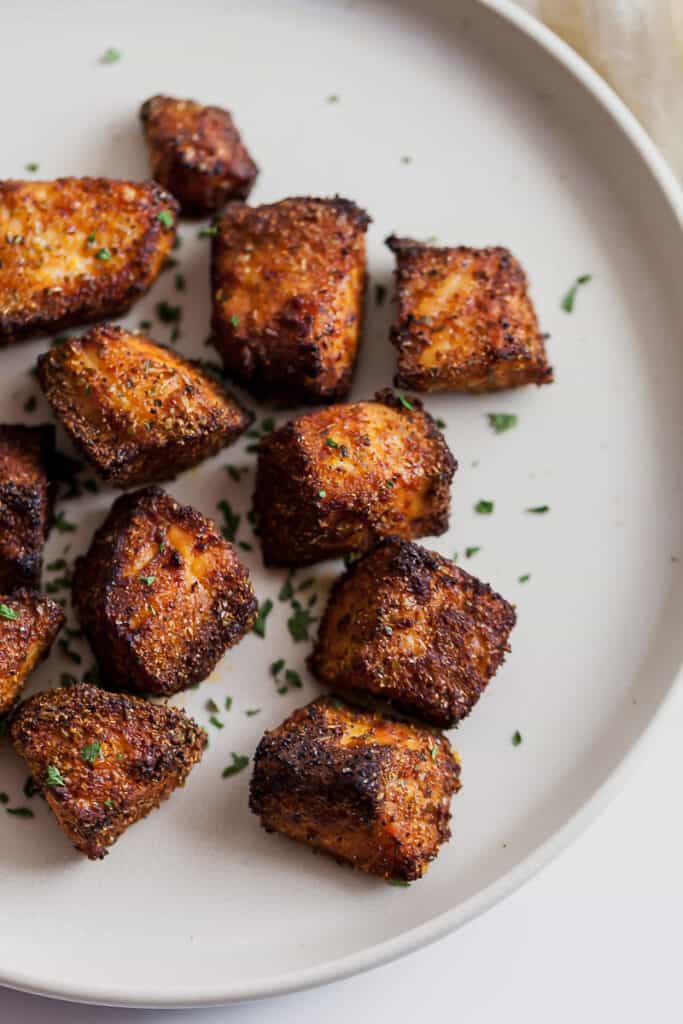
<point x="438" y="927"/>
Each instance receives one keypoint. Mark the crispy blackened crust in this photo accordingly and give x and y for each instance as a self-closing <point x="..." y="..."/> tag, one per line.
<point x="119" y="757"/>
<point x="160" y="595"/>
<point x="373" y="792"/>
<point x="288" y="283"/>
<point x="138" y="411"/>
<point x="26" y="502"/>
<point x="196" y="153"/>
<point x="465" y="320"/>
<point x="333" y="482"/>
<point x="26" y="640"/>
<point x="410" y="627"/>
<point x="76" y="250"/>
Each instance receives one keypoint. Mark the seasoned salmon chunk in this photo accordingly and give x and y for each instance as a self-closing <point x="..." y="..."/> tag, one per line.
<point x="26" y="501"/>
<point x="137" y="411"/>
<point x="288" y="282"/>
<point x="410" y="627"/>
<point x="333" y="482"/>
<point x="160" y="595"/>
<point x="196" y="153"/>
<point x="29" y="623"/>
<point x="465" y="320"/>
<point x="373" y="792"/>
<point x="76" y="250"/>
<point x="103" y="760"/>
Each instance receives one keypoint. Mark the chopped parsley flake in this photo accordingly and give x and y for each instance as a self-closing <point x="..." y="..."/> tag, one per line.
<point x="208" y="232"/>
<point x="569" y="300"/>
<point x="277" y="666"/>
<point x="239" y="763"/>
<point x="235" y="320"/>
<point x="471" y="551"/>
<point x="405" y="403"/>
<point x="31" y="168"/>
<point x="63" y="525"/>
<point x="30" y="788"/>
<point x="211" y="705"/>
<point x="228" y="703"/>
<point x="539" y="510"/>
<point x="484" y="507"/>
<point x="265" y="608"/>
<point x="30" y="404"/>
<point x="167" y="313"/>
<point x="516" y="738"/>
<point x="332" y="98"/>
<point x="299" y="622"/>
<point x="380" y="294"/>
<point x="441" y="424"/>
<point x="110" y="56"/>
<point x="231" y="520"/>
<point x="8" y="613"/>
<point x="331" y="443"/>
<point x="216" y="722"/>
<point x="166" y="218"/>
<point x="20" y="812"/>
<point x="525" y="578"/>
<point x="250" y="712"/>
<point x="54" y="776"/>
<point x="92" y="752"/>
<point x="322" y="493"/>
<point x="293" y="678"/>
<point x="103" y="253"/>
<point x="286" y="590"/>
<point x="502" y="421"/>
<point x="400" y="882"/>
<point x="147" y="580"/>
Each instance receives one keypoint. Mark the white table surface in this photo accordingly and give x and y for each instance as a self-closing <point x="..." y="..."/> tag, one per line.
<point x="595" y="937"/>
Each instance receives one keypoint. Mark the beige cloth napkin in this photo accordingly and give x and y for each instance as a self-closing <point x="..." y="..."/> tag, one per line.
<point x="638" y="46"/>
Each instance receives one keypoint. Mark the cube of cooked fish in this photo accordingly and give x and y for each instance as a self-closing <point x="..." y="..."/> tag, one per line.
<point x="465" y="320"/>
<point x="332" y="482"/>
<point x="196" y="153"/>
<point x="160" y="595"/>
<point x="288" y="281"/>
<point x="371" y="791"/>
<point x="103" y="760"/>
<point x="78" y="249"/>
<point x="29" y="623"/>
<point x="26" y="502"/>
<point x="410" y="627"/>
<point x="137" y="411"/>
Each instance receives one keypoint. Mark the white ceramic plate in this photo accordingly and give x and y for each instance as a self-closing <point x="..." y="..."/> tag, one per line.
<point x="510" y="140"/>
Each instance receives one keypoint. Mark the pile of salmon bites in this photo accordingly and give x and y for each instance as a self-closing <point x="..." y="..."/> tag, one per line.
<point x="408" y="641"/>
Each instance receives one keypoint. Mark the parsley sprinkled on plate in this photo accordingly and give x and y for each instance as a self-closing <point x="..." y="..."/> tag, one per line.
<point x="239" y="763"/>
<point x="469" y="552"/>
<point x="103" y="254"/>
<point x="20" y="812"/>
<point x="524" y="578"/>
<point x="502" y="421"/>
<point x="31" y="168"/>
<point x="147" y="580"/>
<point x="405" y="403"/>
<point x="539" y="510"/>
<point x="265" y="608"/>
<point x="166" y="218"/>
<point x="8" y="613"/>
<point x="399" y="882"/>
<point x="516" y="738"/>
<point x="62" y="524"/>
<point x="208" y="232"/>
<point x="235" y="320"/>
<point x="111" y="56"/>
<point x="569" y="300"/>
<point x="484" y="507"/>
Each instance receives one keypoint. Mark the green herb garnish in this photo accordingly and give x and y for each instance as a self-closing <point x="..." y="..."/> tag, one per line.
<point x="92" y="752"/>
<point x="516" y="738"/>
<point x="239" y="763"/>
<point x="147" y="580"/>
<point x="231" y="520"/>
<point x="216" y="722"/>
<point x="539" y="510"/>
<point x="208" y="232"/>
<point x="228" y="703"/>
<point x="398" y="882"/>
<point x="277" y="666"/>
<point x="299" y="622"/>
<point x="167" y="313"/>
<point x="54" y="776"/>
<point x="110" y="56"/>
<point x="405" y="403"/>
<point x="20" y="812"/>
<point x="235" y="320"/>
<point x="211" y="705"/>
<point x="103" y="254"/>
<point x="31" y="168"/>
<point x="265" y="608"/>
<point x="568" y="301"/>
<point x="166" y="218"/>
<point x="322" y="493"/>
<point x="8" y="613"/>
<point x="502" y="421"/>
<point x="524" y="578"/>
<point x="471" y="551"/>
<point x="484" y="508"/>
<point x="250" y="712"/>
<point x="63" y="525"/>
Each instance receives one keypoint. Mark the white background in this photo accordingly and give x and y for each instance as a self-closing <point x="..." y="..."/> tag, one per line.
<point x="595" y="937"/>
